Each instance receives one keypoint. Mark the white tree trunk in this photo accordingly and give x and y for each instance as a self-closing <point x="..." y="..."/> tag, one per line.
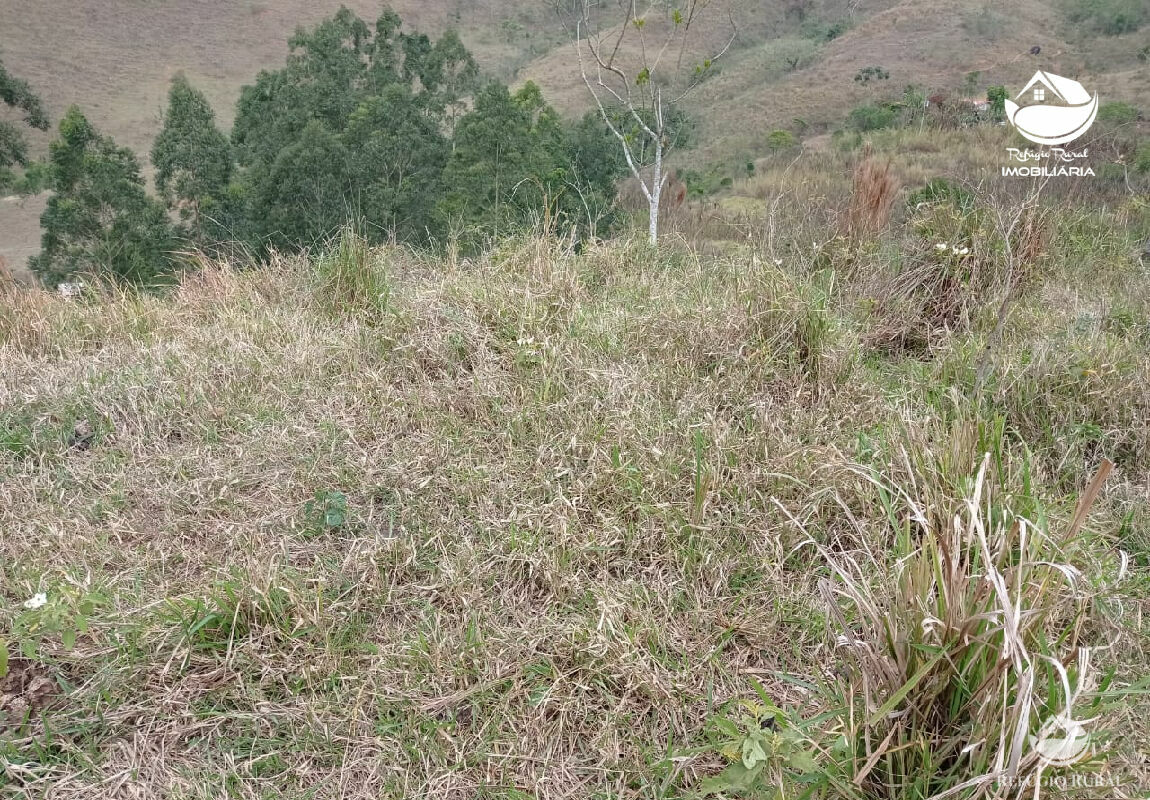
<point x="655" y="194"/>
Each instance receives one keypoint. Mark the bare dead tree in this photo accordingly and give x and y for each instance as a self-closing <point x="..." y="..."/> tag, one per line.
<point x="643" y="80"/>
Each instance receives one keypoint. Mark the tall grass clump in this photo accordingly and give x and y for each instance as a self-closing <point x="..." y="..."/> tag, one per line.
<point x="971" y="658"/>
<point x="872" y="198"/>
<point x="351" y="280"/>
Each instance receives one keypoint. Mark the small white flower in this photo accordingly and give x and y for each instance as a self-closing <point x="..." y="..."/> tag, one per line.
<point x="940" y="246"/>
<point x="954" y="250"/>
<point x="778" y="262"/>
<point x="37" y="600"/>
<point x="964" y="251"/>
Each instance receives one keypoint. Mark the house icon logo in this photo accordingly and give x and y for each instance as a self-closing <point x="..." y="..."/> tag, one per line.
<point x="1061" y="742"/>
<point x="1058" y="109"/>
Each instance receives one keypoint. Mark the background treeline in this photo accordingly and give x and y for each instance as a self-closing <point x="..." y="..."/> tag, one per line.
<point x="366" y="123"/>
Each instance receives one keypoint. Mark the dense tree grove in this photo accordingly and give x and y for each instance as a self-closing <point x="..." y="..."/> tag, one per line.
<point x="366" y="123"/>
<point x="16" y="94"/>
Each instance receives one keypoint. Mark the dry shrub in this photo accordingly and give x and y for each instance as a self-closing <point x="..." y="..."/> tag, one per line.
<point x="1031" y="244"/>
<point x="872" y="198"/>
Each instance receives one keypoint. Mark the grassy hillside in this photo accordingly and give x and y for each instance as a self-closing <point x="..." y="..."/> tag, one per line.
<point x="115" y="59"/>
<point x="375" y="524"/>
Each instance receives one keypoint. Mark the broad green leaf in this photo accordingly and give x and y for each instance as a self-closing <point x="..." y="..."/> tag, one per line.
<point x="803" y="761"/>
<point x="735" y="777"/>
<point x="753" y="753"/>
<point x="3" y="658"/>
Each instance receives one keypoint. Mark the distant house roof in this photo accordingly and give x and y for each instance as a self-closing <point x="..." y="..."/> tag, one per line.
<point x="1066" y="90"/>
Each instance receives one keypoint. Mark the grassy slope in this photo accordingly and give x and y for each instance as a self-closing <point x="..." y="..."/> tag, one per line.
<point x="572" y="482"/>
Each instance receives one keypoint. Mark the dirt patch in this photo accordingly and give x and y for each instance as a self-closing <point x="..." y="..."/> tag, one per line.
<point x="25" y="691"/>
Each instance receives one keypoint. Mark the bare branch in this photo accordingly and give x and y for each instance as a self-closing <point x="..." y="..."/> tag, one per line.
<point x="699" y="78"/>
<point x="613" y="83"/>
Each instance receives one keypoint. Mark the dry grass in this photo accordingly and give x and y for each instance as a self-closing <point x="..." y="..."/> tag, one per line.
<point x="523" y="529"/>
<point x="873" y="196"/>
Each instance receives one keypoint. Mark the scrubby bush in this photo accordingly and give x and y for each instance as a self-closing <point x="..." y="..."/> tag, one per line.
<point x="996" y="96"/>
<point x="818" y="30"/>
<point x="941" y="190"/>
<point x="1108" y="17"/>
<point x="788" y="54"/>
<point x="780" y="140"/>
<point x="1118" y="113"/>
<point x="1142" y="157"/>
<point x="872" y="117"/>
<point x="868" y="74"/>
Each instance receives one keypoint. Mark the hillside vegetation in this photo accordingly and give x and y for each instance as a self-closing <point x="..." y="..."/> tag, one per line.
<point x="369" y="523"/>
<point x="791" y="67"/>
<point x="353" y="443"/>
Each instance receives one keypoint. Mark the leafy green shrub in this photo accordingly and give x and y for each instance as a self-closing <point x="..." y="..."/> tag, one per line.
<point x="703" y="182"/>
<point x="818" y="30"/>
<point x="1108" y="17"/>
<point x="788" y="54"/>
<point x="872" y="117"/>
<point x="35" y="178"/>
<point x="941" y="190"/>
<point x="1142" y="157"/>
<point x="996" y="96"/>
<point x="781" y="140"/>
<point x="868" y="74"/>
<point x="1118" y="113"/>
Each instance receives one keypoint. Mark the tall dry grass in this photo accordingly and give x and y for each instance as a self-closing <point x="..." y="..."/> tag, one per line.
<point x="874" y="191"/>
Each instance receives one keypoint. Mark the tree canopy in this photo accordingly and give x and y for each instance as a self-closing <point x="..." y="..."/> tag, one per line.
<point x="100" y="219"/>
<point x="18" y="95"/>
<point x="192" y="157"/>
<point x="367" y="123"/>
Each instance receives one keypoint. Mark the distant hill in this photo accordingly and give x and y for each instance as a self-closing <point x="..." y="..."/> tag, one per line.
<point x="115" y="58"/>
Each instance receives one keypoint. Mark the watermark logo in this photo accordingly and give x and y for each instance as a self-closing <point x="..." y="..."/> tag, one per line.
<point x="1061" y="741"/>
<point x="1059" y="109"/>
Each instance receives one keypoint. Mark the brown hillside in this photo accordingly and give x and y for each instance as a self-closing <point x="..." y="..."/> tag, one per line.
<point x="116" y="57"/>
